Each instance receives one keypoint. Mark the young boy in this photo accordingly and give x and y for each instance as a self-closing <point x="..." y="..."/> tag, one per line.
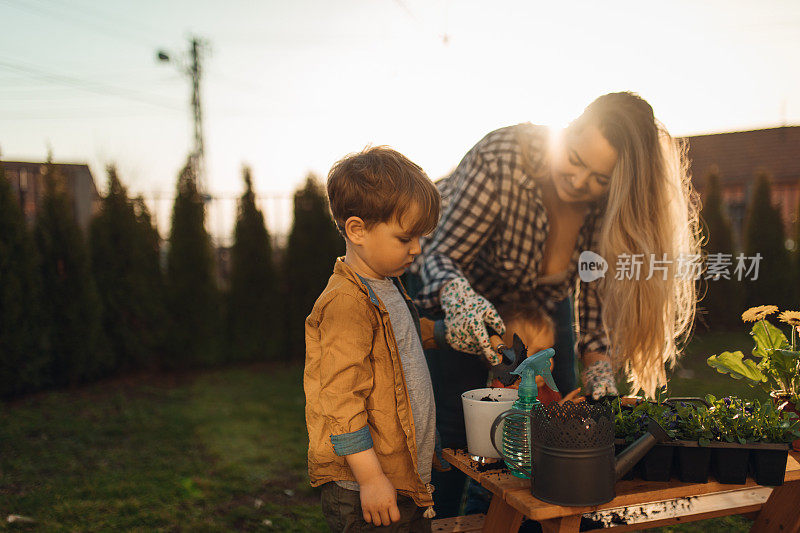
<point x="537" y="332"/>
<point x="369" y="400"/>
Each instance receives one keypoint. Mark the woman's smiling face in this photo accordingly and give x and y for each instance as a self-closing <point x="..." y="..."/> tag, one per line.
<point x="583" y="162"/>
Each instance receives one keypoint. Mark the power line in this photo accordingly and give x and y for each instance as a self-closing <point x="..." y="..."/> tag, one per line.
<point x="117" y="31"/>
<point x="108" y="17"/>
<point x="84" y="85"/>
<point x="74" y="114"/>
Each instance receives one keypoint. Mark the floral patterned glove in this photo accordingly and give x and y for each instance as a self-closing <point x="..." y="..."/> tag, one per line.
<point x="598" y="379"/>
<point x="466" y="315"/>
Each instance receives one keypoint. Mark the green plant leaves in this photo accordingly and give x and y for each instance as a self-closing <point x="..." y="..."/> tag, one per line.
<point x="734" y="364"/>
<point x="729" y="419"/>
<point x="783" y="367"/>
<point x="768" y="339"/>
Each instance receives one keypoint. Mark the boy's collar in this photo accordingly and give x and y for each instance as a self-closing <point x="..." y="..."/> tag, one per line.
<point x="340" y="267"/>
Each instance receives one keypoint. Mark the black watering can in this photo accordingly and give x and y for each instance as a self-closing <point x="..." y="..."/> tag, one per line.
<point x="572" y="452"/>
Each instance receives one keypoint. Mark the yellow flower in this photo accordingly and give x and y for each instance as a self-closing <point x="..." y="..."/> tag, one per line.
<point x="759" y="312"/>
<point x="790" y="317"/>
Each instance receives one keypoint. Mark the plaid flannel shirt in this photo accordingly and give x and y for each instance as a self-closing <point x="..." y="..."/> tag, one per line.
<point x="493" y="229"/>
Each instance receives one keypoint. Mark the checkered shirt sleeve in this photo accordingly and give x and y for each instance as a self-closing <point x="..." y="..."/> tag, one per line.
<point x="591" y="331"/>
<point x="470" y="209"/>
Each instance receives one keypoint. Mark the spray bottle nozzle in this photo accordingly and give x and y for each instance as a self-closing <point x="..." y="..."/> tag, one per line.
<point x="536" y="365"/>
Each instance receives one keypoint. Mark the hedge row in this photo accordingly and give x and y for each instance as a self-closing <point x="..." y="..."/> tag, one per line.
<point x="76" y="308"/>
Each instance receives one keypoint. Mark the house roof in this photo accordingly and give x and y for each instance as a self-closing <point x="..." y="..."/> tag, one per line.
<point x="741" y="155"/>
<point x="72" y="171"/>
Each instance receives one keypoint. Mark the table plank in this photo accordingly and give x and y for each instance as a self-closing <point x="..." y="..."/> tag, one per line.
<point x="645" y="515"/>
<point x="461" y="460"/>
<point x="749" y="509"/>
<point x="516" y="492"/>
<point x="636" y="492"/>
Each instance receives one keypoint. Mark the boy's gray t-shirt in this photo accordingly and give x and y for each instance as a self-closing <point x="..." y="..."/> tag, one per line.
<point x="415" y="371"/>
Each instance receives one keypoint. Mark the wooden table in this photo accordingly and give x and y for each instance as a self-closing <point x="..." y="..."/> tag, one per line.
<point x="640" y="504"/>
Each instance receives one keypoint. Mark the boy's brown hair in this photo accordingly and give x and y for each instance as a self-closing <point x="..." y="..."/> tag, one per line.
<point x="378" y="184"/>
<point x="531" y="313"/>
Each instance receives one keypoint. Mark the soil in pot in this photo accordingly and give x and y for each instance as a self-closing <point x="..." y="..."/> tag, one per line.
<point x="692" y="461"/>
<point x="657" y="464"/>
<point x="769" y="465"/>
<point x="729" y="463"/>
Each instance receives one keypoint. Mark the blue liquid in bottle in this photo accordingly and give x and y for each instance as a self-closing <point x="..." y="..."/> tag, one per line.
<point x="517" y="428"/>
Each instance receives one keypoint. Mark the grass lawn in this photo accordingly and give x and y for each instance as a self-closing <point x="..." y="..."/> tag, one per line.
<point x="215" y="451"/>
<point x="219" y="450"/>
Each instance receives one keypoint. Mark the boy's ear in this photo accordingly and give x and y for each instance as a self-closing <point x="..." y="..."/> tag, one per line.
<point x="354" y="229"/>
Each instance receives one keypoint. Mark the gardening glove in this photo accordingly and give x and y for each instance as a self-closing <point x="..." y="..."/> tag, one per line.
<point x="598" y="380"/>
<point x="466" y="315"/>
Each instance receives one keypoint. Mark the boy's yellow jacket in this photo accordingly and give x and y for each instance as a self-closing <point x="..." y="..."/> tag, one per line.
<point x="356" y="395"/>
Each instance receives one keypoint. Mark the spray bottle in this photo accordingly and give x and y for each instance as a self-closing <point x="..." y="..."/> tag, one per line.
<point x="516" y="431"/>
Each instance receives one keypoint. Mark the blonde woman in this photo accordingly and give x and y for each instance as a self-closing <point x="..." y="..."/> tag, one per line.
<point x="516" y="214"/>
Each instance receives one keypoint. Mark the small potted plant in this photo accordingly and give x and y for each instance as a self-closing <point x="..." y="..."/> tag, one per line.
<point x="656" y="465"/>
<point x="773" y="431"/>
<point x="630" y="423"/>
<point x="693" y="434"/>
<point x="734" y="427"/>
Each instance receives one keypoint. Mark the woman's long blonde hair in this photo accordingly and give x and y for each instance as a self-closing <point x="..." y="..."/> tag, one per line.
<point x="651" y="213"/>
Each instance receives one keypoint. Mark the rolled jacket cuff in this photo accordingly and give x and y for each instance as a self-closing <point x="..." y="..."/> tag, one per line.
<point x="354" y="442"/>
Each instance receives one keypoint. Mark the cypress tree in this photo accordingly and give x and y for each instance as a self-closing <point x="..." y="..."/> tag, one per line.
<point x="764" y="234"/>
<point x="71" y="306"/>
<point x="152" y="300"/>
<point x="314" y="244"/>
<point x="252" y="298"/>
<point x="192" y="296"/>
<point x="23" y="350"/>
<point x="126" y="291"/>
<point x="724" y="299"/>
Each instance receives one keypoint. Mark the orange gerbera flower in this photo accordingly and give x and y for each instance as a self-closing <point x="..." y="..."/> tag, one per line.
<point x="790" y="317"/>
<point x="759" y="312"/>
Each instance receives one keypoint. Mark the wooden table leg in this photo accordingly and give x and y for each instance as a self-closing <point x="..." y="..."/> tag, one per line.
<point x="565" y="524"/>
<point x="781" y="511"/>
<point x="502" y="518"/>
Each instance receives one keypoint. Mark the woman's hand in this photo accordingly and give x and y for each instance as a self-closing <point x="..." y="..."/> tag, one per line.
<point x="466" y="315"/>
<point x="598" y="376"/>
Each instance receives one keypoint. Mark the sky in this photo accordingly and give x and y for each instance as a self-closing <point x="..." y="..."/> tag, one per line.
<point x="289" y="87"/>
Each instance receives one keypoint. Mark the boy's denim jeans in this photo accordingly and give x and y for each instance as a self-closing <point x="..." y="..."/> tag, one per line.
<point x="342" y="510"/>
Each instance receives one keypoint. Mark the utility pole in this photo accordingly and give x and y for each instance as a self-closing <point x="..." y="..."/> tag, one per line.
<point x="192" y="67"/>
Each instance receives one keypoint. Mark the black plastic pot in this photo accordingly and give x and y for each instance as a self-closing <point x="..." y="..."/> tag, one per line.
<point x="729" y="462"/>
<point x="691" y="461"/>
<point x="768" y="463"/>
<point x="657" y="464"/>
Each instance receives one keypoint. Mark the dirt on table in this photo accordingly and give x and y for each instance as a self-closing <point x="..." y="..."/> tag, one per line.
<point x="492" y="465"/>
